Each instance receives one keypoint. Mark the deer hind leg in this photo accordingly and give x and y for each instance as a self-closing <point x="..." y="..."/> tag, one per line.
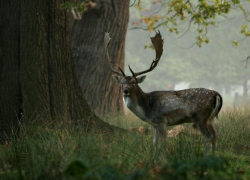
<point x="205" y="131"/>
<point x="214" y="137"/>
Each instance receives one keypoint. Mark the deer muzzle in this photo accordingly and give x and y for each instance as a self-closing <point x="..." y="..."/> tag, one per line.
<point x="126" y="91"/>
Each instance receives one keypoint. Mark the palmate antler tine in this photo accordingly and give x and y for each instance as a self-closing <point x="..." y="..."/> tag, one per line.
<point x="106" y="44"/>
<point x="157" y="42"/>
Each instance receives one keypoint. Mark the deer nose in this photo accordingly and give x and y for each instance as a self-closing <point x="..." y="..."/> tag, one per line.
<point x="125" y="91"/>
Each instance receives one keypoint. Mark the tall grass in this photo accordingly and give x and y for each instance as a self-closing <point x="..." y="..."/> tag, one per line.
<point x="234" y="131"/>
<point x="63" y="152"/>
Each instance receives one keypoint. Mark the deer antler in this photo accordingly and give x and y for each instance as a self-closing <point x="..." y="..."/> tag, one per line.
<point x="157" y="41"/>
<point x="106" y="43"/>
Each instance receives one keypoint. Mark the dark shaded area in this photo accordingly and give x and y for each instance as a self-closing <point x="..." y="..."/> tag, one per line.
<point x="37" y="78"/>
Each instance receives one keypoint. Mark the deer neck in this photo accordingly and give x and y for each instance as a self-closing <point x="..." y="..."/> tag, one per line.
<point x="136" y="102"/>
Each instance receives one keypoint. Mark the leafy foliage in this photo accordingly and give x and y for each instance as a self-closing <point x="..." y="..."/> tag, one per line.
<point x="201" y="14"/>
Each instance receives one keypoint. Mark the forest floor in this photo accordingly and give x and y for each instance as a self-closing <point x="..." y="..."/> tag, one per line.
<point x="64" y="152"/>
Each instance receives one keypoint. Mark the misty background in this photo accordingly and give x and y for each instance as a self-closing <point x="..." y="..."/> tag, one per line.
<point x="217" y="65"/>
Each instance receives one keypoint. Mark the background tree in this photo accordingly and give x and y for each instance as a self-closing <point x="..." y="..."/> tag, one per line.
<point x="90" y="59"/>
<point x="37" y="76"/>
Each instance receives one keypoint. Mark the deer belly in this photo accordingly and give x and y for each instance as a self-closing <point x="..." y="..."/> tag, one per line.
<point x="175" y="117"/>
<point x="177" y="121"/>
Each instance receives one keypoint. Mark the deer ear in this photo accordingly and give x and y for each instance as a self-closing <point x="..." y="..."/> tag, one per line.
<point x="140" y="79"/>
<point x="117" y="78"/>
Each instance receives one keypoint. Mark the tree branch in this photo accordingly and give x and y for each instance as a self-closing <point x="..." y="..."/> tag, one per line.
<point x="246" y="60"/>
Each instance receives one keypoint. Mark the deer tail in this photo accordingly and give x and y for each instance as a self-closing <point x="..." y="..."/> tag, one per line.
<point x="218" y="105"/>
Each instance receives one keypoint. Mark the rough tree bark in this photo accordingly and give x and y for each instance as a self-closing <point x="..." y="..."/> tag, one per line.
<point x="92" y="67"/>
<point x="37" y="79"/>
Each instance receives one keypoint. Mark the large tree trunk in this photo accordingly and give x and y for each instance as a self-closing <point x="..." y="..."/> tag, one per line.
<point x="10" y="89"/>
<point x="37" y="79"/>
<point x="92" y="67"/>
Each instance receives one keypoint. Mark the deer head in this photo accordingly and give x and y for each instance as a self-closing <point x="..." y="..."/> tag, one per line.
<point x="130" y="83"/>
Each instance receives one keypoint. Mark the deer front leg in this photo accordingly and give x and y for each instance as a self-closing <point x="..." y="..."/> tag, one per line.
<point x="163" y="139"/>
<point x="159" y="133"/>
<point x="155" y="141"/>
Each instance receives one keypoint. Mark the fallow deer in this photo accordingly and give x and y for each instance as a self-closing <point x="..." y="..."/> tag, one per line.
<point x="167" y="108"/>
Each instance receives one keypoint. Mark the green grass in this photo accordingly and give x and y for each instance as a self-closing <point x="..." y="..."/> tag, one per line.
<point x="63" y="152"/>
